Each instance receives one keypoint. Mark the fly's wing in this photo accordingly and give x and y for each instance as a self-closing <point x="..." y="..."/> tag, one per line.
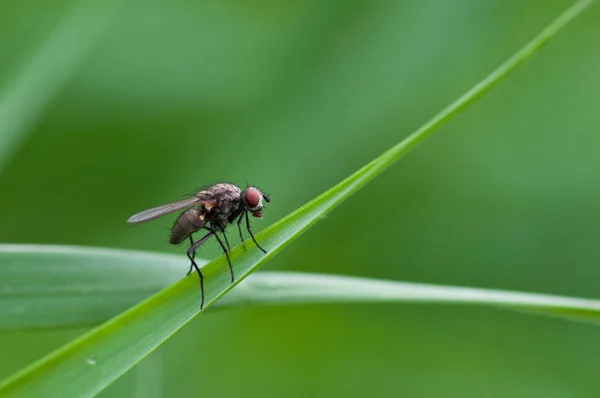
<point x="159" y="211"/>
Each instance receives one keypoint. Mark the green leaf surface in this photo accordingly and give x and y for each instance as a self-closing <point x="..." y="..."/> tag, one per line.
<point x="76" y="286"/>
<point x="284" y="288"/>
<point x="88" y="364"/>
<point x="53" y="286"/>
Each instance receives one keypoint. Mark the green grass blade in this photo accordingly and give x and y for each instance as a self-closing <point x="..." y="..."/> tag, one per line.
<point x="286" y="288"/>
<point x="52" y="286"/>
<point x="121" y="342"/>
<point x="76" y="286"/>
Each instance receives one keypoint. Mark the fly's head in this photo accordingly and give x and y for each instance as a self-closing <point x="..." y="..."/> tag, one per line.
<point x="253" y="200"/>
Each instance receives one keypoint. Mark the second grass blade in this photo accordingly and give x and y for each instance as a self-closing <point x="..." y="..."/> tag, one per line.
<point x="75" y="286"/>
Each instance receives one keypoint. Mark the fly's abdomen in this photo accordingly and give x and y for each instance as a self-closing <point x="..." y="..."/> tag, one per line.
<point x="187" y="223"/>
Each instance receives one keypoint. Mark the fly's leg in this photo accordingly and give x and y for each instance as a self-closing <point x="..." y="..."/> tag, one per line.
<point x="191" y="253"/>
<point x="226" y="240"/>
<point x="239" y="223"/>
<point x="252" y="235"/>
<point x="212" y="229"/>
<point x="193" y="256"/>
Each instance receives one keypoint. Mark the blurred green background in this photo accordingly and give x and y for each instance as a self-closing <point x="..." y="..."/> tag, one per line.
<point x="108" y="109"/>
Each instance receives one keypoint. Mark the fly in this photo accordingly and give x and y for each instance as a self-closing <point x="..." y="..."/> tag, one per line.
<point x="211" y="210"/>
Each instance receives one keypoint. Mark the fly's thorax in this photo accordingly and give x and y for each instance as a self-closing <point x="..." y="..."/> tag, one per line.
<point x="221" y="192"/>
<point x="220" y="201"/>
<point x="221" y="213"/>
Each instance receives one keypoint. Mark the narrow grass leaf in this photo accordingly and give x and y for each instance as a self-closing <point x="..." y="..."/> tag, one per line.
<point x="75" y="286"/>
<point x="287" y="288"/>
<point x="45" y="286"/>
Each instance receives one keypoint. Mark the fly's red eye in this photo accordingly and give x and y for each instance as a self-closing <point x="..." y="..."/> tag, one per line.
<point x="253" y="198"/>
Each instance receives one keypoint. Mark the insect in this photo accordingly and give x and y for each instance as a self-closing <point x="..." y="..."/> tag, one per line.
<point x="211" y="210"/>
